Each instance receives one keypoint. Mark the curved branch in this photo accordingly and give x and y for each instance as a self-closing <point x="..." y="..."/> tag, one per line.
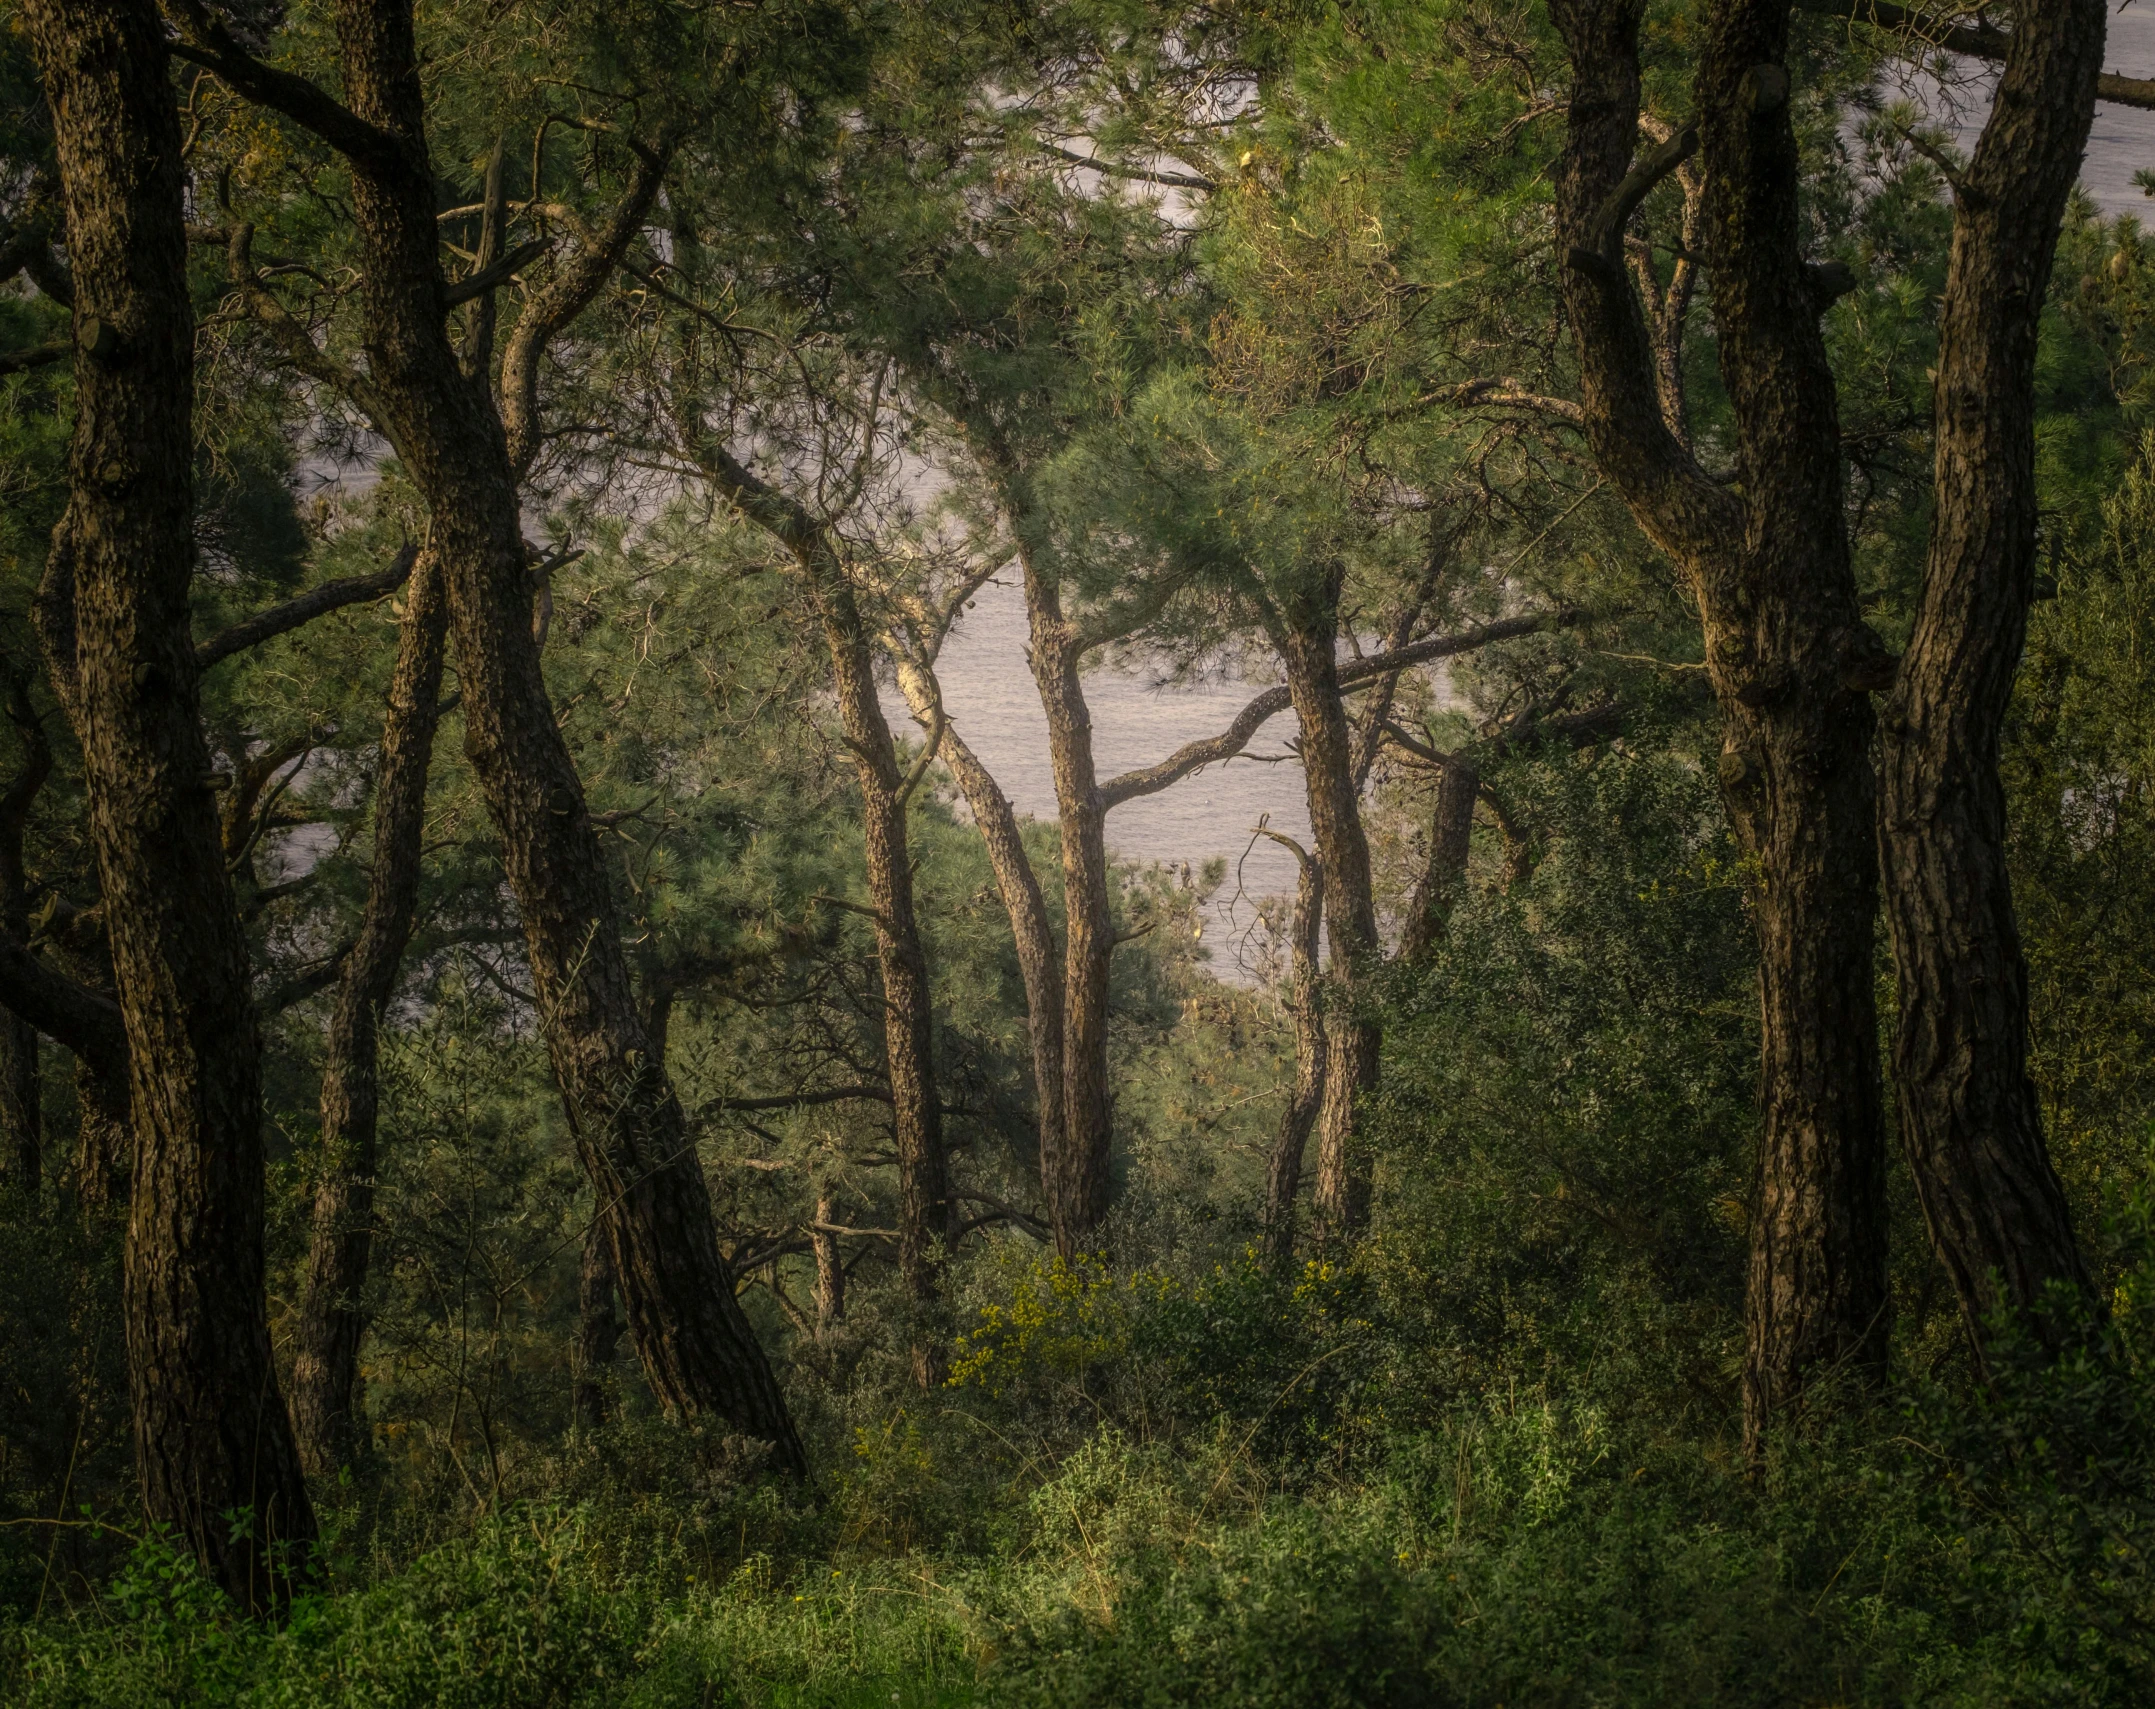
<point x="304" y="608"/>
<point x="1132" y="174"/>
<point x="565" y="297"/>
<point x="1193" y="756"/>
<point x="205" y="41"/>
<point x="85" y="1020"/>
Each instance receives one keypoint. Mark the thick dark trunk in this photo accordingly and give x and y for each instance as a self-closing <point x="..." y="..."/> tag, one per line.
<point x="1078" y="1197"/>
<point x="697" y="1350"/>
<point x="1305" y="1006"/>
<point x="212" y="1436"/>
<point x="1306" y="639"/>
<point x="326" y="1403"/>
<point x="598" y="1330"/>
<point x="1970" y="1118"/>
<point x="1039" y="963"/>
<point x="1786" y="647"/>
<point x="1444" y="873"/>
<point x="925" y="1222"/>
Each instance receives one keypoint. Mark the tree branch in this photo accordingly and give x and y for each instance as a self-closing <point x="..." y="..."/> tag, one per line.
<point x="566" y="295"/>
<point x="1976" y="41"/>
<point x="304" y="608"/>
<point x="205" y="41"/>
<point x="1134" y="174"/>
<point x="1194" y="755"/>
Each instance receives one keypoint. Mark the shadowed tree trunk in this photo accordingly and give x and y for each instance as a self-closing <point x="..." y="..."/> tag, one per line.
<point x="1305" y="1005"/>
<point x="1970" y="1119"/>
<point x="466" y="452"/>
<point x="326" y="1402"/>
<point x="1786" y="646"/>
<point x="104" y="1138"/>
<point x="212" y="1438"/>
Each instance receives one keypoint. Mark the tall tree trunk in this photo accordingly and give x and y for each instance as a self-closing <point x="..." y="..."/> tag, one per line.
<point x="1305" y="1004"/>
<point x="1970" y="1119"/>
<point x="22" y="1123"/>
<point x="212" y="1438"/>
<point x="1786" y="646"/>
<point x="1306" y="636"/>
<point x="1444" y="874"/>
<point x="326" y="1404"/>
<point x="924" y="1217"/>
<point x="926" y="1211"/>
<point x="1039" y="965"/>
<point x="465" y="452"/>
<point x="1078" y="1198"/>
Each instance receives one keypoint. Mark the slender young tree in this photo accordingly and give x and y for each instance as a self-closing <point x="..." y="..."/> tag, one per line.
<point x="325" y="1361"/>
<point x="213" y="1443"/>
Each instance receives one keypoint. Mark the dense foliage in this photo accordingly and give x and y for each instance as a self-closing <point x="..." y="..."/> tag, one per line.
<point x="1302" y="324"/>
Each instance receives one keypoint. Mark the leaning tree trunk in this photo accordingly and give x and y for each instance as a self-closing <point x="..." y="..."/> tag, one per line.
<point x="924" y="1217"/>
<point x="325" y="1362"/>
<point x="212" y="1438"/>
<point x="1305" y="1001"/>
<point x="694" y="1342"/>
<point x="925" y="1212"/>
<point x="1786" y="647"/>
<point x="1039" y="967"/>
<point x="1306" y="638"/>
<point x="1970" y="1119"/>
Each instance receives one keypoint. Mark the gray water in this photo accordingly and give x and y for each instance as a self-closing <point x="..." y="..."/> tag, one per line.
<point x="989" y="692"/>
<point x="989" y="697"/>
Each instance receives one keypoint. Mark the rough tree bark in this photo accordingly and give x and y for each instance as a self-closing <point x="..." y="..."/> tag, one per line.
<point x="212" y="1437"/>
<point x="830" y="1268"/>
<point x="1786" y="646"/>
<point x="1078" y="1197"/>
<point x="326" y="1404"/>
<point x="466" y="450"/>
<point x="1970" y="1120"/>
